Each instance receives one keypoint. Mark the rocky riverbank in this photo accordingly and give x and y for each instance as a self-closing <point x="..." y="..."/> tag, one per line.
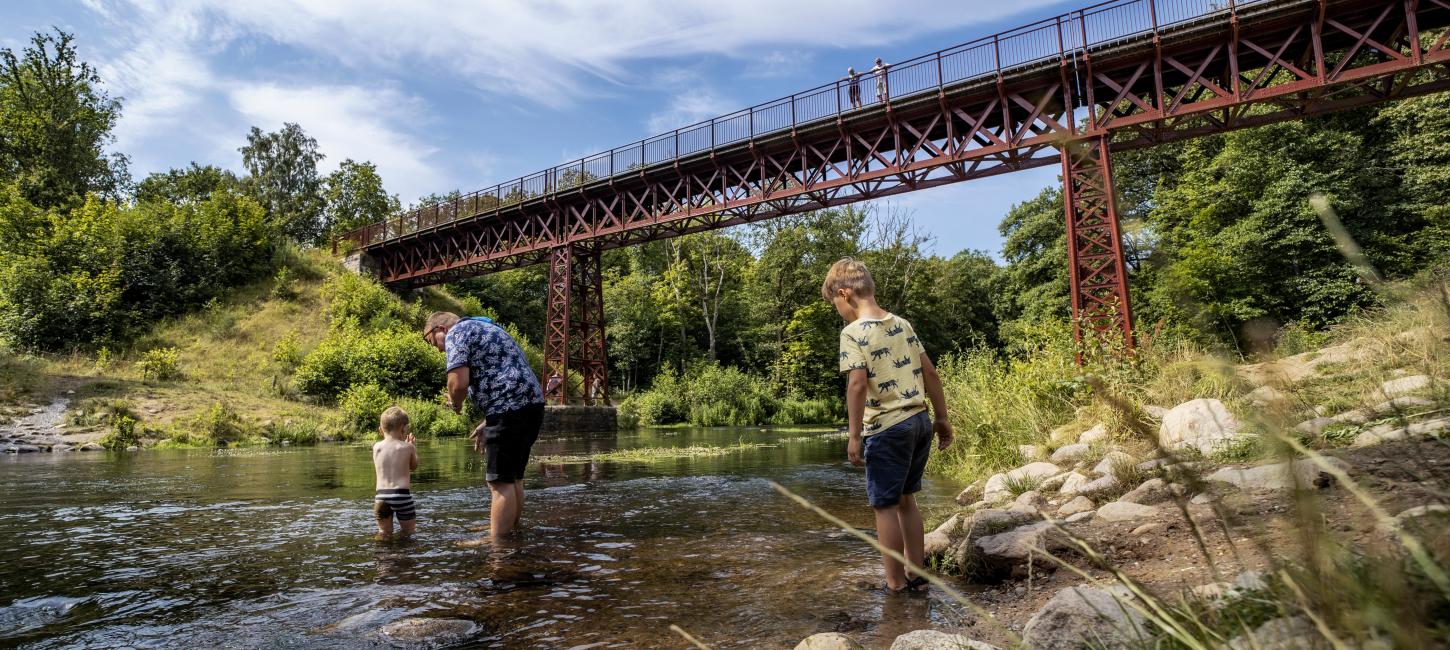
<point x="1094" y="542"/>
<point x="43" y="429"/>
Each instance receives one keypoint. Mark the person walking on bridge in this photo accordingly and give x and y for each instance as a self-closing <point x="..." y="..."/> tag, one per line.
<point x="485" y="362"/>
<point x="853" y="86"/>
<point x="880" y="71"/>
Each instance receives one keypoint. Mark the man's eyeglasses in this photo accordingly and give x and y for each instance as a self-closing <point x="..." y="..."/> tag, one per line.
<point x="428" y="336"/>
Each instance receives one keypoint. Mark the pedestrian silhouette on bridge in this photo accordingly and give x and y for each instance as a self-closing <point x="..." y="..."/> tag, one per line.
<point x="880" y="71"/>
<point x="853" y="84"/>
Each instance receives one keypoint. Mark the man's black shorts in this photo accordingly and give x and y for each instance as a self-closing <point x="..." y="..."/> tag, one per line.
<point x="507" y="439"/>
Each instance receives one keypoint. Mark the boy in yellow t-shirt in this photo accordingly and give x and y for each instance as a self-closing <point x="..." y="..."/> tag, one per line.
<point x="889" y="380"/>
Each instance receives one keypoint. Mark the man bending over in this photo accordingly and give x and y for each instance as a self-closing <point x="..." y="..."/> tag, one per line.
<point x="484" y="361"/>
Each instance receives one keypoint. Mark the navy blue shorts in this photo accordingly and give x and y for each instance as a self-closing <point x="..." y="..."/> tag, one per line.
<point x="896" y="459"/>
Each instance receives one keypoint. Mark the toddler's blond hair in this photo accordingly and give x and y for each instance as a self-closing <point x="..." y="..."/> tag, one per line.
<point x="848" y="273"/>
<point x="393" y="420"/>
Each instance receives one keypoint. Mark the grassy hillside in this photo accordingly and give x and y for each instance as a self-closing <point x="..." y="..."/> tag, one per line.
<point x="224" y="374"/>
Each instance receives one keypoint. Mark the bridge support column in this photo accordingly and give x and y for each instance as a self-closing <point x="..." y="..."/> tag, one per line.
<point x="1097" y="273"/>
<point x="574" y="338"/>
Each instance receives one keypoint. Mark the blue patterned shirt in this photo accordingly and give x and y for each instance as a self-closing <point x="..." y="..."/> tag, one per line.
<point x="500" y="379"/>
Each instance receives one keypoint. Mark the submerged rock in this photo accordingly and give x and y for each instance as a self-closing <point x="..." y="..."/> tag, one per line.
<point x="1202" y="424"/>
<point x="1084" y="617"/>
<point x="432" y="631"/>
<point x="934" y="640"/>
<point x="828" y="641"/>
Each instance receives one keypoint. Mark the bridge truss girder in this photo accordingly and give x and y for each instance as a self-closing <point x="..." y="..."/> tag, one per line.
<point x="1285" y="61"/>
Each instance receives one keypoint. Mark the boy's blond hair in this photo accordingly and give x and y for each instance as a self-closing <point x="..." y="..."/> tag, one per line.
<point x="848" y="273"/>
<point x="393" y="420"/>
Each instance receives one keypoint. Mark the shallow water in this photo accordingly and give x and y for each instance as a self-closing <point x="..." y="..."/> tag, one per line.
<point x="272" y="548"/>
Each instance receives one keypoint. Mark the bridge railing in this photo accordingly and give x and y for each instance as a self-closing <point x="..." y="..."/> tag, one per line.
<point x="1064" y="36"/>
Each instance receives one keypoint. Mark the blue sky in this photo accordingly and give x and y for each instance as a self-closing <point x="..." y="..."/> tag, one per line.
<point x="465" y="94"/>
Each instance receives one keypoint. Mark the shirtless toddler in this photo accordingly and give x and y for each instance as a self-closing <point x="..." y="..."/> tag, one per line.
<point x="394" y="458"/>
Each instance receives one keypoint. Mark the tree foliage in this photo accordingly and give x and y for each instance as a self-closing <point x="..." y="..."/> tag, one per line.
<point x="55" y="123"/>
<point x="284" y="179"/>
<point x="354" y="197"/>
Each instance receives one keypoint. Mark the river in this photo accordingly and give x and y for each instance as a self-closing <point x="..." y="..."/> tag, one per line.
<point x="273" y="547"/>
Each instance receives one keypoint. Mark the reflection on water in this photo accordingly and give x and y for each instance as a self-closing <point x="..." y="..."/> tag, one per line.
<point x="272" y="547"/>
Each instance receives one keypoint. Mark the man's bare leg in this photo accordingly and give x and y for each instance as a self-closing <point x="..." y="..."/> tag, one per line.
<point x="519" y="498"/>
<point x="385" y="528"/>
<point x="888" y="533"/>
<point x="503" y="509"/>
<point x="407" y="527"/>
<point x="911" y="529"/>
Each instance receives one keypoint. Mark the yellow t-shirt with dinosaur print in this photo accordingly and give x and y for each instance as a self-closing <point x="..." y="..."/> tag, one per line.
<point x="889" y="351"/>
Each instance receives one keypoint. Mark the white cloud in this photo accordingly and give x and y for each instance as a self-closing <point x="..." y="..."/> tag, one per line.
<point x="349" y="122"/>
<point x="777" y="64"/>
<point x="686" y="108"/>
<point x="540" y="50"/>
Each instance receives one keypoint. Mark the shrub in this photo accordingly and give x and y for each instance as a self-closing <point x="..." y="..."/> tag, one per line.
<point x="364" y="301"/>
<point x="123" y="434"/>
<point x="286" y="353"/>
<point x="100" y="411"/>
<point x="217" y="426"/>
<point x="297" y="432"/>
<point x="282" y="284"/>
<point x="807" y="411"/>
<point x="161" y="364"/>
<point x="361" y="406"/>
<point x="397" y="361"/>
<point x="103" y="358"/>
<point x="429" y="419"/>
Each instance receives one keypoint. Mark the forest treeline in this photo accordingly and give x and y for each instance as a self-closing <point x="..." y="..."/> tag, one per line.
<point x="725" y="327"/>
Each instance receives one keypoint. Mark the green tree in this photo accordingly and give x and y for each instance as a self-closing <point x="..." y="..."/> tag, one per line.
<point x="194" y="184"/>
<point x="283" y="168"/>
<point x="354" y="197"/>
<point x="1033" y="285"/>
<point x="55" y="123"/>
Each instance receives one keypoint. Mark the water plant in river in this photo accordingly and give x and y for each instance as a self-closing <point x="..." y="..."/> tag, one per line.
<point x="648" y="454"/>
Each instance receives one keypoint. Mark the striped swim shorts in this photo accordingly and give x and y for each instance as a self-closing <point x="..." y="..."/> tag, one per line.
<point x="390" y="502"/>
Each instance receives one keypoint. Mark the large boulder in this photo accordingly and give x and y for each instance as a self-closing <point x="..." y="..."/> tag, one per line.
<point x="1084" y="617"/>
<point x="984" y="523"/>
<point x="996" y="488"/>
<point x="1202" y="424"/>
<point x="934" y="640"/>
<point x="1277" y="476"/>
<point x="1000" y="554"/>
<point x="1098" y="486"/>
<point x="971" y="494"/>
<point x="939" y="540"/>
<point x="1123" y="511"/>
<point x="828" y="641"/>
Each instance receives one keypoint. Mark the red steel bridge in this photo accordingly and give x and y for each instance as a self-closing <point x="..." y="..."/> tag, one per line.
<point x="1066" y="91"/>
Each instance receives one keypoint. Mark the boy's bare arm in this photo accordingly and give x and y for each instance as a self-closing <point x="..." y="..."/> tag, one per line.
<point x="941" y="423"/>
<point x="412" y="456"/>
<point x="855" y="412"/>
